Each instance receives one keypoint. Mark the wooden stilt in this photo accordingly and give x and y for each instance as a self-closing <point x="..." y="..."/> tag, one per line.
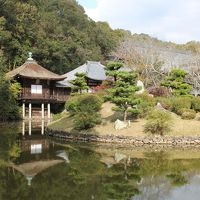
<point x="29" y="127"/>
<point x="42" y="127"/>
<point x="49" y="110"/>
<point x="23" y="111"/>
<point x="23" y="128"/>
<point x="30" y="110"/>
<point x="42" y="111"/>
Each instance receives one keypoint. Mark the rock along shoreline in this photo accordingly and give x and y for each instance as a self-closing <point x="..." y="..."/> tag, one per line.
<point x="132" y="140"/>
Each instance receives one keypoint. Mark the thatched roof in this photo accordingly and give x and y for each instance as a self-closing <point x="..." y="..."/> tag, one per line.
<point x="31" y="69"/>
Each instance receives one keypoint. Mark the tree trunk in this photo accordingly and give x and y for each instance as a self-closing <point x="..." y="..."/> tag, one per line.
<point x="125" y="115"/>
<point x="115" y="78"/>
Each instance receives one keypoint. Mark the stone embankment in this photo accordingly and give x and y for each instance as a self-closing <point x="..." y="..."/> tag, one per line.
<point x="134" y="140"/>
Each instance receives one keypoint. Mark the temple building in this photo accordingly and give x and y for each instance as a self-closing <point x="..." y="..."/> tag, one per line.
<point x="43" y="90"/>
<point x="94" y="71"/>
<point x="39" y="89"/>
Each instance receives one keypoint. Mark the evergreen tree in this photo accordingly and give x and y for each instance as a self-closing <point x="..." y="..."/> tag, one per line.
<point x="80" y="83"/>
<point x="85" y="110"/>
<point x="112" y="69"/>
<point x="9" y="109"/>
<point x="122" y="94"/>
<point x="175" y="81"/>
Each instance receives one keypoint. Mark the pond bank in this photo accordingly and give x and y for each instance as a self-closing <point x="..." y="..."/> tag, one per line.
<point x="120" y="139"/>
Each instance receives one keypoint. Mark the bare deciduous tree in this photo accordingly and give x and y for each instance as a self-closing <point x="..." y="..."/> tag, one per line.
<point x="142" y="56"/>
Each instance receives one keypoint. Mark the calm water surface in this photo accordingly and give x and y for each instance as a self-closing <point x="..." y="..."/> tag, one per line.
<point x="34" y="167"/>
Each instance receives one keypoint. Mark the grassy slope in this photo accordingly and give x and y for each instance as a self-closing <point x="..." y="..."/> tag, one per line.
<point x="179" y="127"/>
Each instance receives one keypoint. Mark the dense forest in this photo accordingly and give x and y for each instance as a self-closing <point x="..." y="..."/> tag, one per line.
<point x="58" y="32"/>
<point x="62" y="37"/>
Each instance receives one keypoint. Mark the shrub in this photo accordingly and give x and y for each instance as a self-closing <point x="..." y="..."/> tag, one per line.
<point x="159" y="91"/>
<point x="146" y="103"/>
<point x="58" y="116"/>
<point x="165" y="102"/>
<point x="89" y="103"/>
<point x="188" y="114"/>
<point x="158" y="122"/>
<point x="100" y="87"/>
<point x="85" y="109"/>
<point x="179" y="103"/>
<point x="196" y="104"/>
<point x="84" y="120"/>
<point x="71" y="104"/>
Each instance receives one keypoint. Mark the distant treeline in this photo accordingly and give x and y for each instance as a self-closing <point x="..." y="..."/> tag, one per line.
<point x="58" y="32"/>
<point x="60" y="35"/>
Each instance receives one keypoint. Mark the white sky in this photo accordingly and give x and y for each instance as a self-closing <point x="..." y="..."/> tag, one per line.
<point x="169" y="20"/>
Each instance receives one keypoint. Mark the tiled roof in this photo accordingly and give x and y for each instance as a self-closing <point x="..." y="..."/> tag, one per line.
<point x="93" y="70"/>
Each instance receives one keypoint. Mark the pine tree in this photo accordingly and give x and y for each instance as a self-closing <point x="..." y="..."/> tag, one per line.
<point x="112" y="69"/>
<point x="175" y="81"/>
<point x="80" y="83"/>
<point x="122" y="94"/>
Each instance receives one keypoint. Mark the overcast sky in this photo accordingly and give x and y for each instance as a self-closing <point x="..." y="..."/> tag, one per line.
<point x="170" y="20"/>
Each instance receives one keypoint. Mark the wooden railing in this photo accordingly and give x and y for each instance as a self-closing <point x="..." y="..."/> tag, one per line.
<point x="60" y="98"/>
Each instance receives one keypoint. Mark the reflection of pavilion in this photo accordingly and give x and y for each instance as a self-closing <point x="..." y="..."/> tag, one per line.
<point x="35" y="145"/>
<point x="29" y="125"/>
<point x="34" y="161"/>
<point x="30" y="170"/>
<point x="37" y="152"/>
<point x="33" y="142"/>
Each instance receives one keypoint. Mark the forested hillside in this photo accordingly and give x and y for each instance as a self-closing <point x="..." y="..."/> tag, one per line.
<point x="58" y="32"/>
<point x="62" y="37"/>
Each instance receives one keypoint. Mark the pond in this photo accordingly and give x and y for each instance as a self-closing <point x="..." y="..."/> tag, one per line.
<point x="35" y="167"/>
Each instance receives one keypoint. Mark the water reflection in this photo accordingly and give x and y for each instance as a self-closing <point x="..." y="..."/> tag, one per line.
<point x="33" y="166"/>
<point x="29" y="125"/>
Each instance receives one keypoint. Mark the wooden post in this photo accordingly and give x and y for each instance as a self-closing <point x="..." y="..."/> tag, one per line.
<point x="29" y="127"/>
<point x="23" y="128"/>
<point x="30" y="110"/>
<point x="49" y="110"/>
<point x="42" y="127"/>
<point x="23" y="110"/>
<point x="42" y="110"/>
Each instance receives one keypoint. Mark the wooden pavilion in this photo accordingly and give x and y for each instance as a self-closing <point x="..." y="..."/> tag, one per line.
<point x="38" y="88"/>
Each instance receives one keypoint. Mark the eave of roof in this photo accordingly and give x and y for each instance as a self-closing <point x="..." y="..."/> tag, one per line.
<point x="32" y="70"/>
<point x="93" y="70"/>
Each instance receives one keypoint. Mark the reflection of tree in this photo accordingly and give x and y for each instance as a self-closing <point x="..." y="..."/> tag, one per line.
<point x="9" y="149"/>
<point x="85" y="177"/>
<point x="177" y="179"/>
<point x="82" y="179"/>
<point x="13" y="185"/>
<point x="155" y="168"/>
<point x="119" y="182"/>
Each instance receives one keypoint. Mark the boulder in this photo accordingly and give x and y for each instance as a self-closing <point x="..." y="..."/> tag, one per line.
<point x="159" y="107"/>
<point x="141" y="85"/>
<point x="120" y="125"/>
